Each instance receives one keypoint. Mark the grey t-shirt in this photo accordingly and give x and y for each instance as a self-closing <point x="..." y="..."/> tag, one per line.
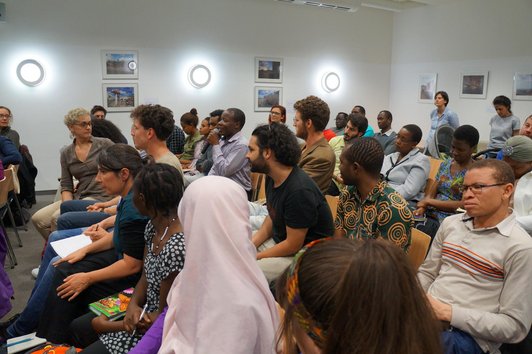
<point x="502" y="129"/>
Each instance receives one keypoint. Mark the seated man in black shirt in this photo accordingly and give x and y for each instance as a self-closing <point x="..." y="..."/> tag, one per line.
<point x="297" y="210"/>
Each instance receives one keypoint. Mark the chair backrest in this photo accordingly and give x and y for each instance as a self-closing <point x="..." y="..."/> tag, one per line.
<point x="434" y="167"/>
<point x="333" y="204"/>
<point x="443" y="139"/>
<point x="256" y="181"/>
<point x="10" y="174"/>
<point x="418" y="248"/>
<point x="4" y="190"/>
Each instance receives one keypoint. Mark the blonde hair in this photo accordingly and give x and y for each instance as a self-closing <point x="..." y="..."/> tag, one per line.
<point x="72" y="116"/>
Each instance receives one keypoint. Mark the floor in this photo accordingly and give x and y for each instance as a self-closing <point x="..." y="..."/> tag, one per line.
<point x="28" y="257"/>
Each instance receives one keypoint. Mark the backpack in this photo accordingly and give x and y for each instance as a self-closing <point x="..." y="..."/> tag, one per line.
<point x="49" y="348"/>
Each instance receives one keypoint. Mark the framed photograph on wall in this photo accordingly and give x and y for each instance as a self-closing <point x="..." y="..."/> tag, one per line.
<point x="266" y="97"/>
<point x="120" y="64"/>
<point x="269" y="70"/>
<point x="426" y="87"/>
<point x="522" y="86"/>
<point x="120" y="97"/>
<point x="474" y="85"/>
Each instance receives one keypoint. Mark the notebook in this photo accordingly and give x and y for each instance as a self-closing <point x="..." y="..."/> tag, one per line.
<point x="22" y="343"/>
<point x="114" y="306"/>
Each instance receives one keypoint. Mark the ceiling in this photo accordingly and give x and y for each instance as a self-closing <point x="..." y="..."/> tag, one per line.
<point x="353" y="5"/>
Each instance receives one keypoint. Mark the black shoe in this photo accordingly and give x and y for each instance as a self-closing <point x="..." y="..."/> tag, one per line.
<point x="5" y="324"/>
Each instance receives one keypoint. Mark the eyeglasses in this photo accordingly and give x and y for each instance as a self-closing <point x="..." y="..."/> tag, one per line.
<point x="84" y="124"/>
<point x="5" y="116"/>
<point x="275" y="113"/>
<point x="477" y="188"/>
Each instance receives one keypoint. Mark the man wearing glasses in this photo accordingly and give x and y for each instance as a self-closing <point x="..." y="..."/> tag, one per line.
<point x="477" y="273"/>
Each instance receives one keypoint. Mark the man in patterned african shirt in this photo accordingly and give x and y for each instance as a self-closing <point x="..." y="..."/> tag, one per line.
<point x="368" y="207"/>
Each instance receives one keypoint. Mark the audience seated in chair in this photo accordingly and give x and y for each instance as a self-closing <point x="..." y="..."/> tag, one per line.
<point x="503" y="125"/>
<point x="369" y="208"/>
<point x="370" y="132"/>
<point x="355" y="128"/>
<point x="152" y="124"/>
<point x="517" y="153"/>
<point x="220" y="302"/>
<point x="297" y="210"/>
<point x="339" y="295"/>
<point x="6" y="118"/>
<point x="386" y="136"/>
<point x="78" y="160"/>
<point x="157" y="191"/>
<point x="477" y="272"/>
<point x="317" y="157"/>
<point x="229" y="152"/>
<point x="445" y="196"/>
<point x="189" y="124"/>
<point x="407" y="170"/>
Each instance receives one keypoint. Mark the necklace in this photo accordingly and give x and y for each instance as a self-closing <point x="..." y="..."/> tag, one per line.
<point x="162" y="236"/>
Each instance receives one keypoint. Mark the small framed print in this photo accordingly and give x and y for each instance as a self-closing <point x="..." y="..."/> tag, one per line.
<point x="120" y="64"/>
<point x="266" y="97"/>
<point x="269" y="70"/>
<point x="522" y="86"/>
<point x="426" y="87"/>
<point x="474" y="85"/>
<point x="120" y="97"/>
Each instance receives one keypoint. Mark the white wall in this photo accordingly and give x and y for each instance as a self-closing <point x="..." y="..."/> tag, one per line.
<point x="460" y="37"/>
<point x="171" y="35"/>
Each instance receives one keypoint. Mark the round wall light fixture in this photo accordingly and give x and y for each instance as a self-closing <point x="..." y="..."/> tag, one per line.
<point x="199" y="76"/>
<point x="330" y="82"/>
<point x="30" y="72"/>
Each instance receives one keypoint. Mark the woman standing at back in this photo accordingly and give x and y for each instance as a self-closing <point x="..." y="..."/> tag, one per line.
<point x="442" y="115"/>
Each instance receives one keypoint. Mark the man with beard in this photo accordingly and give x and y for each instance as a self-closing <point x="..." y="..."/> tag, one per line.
<point x="355" y="128"/>
<point x="297" y="210"/>
<point x="229" y="154"/>
<point x="317" y="157"/>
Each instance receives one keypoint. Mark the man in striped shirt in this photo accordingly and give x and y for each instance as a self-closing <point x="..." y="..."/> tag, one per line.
<point x="477" y="273"/>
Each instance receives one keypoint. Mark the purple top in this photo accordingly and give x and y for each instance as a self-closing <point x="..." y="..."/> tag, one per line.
<point x="151" y="341"/>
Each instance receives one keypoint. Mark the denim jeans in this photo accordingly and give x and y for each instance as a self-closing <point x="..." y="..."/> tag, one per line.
<point x="456" y="341"/>
<point x="29" y="318"/>
<point x="74" y="215"/>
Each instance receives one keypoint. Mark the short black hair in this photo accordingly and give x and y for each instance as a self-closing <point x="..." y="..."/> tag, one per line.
<point x="156" y="117"/>
<point x="278" y="138"/>
<point x="468" y="134"/>
<point x="359" y="121"/>
<point x="444" y="95"/>
<point x="416" y="132"/>
<point x="360" y="108"/>
<point x="97" y="108"/>
<point x="161" y="185"/>
<point x="216" y="113"/>
<point x="368" y="153"/>
<point x="503" y="173"/>
<point x="104" y="128"/>
<point x="238" y="116"/>
<point x="387" y="114"/>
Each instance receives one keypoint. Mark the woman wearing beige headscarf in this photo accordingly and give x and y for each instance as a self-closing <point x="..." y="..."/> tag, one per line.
<point x="220" y="302"/>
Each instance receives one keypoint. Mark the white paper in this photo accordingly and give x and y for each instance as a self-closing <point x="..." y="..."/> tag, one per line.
<point x="24" y="342"/>
<point x="68" y="245"/>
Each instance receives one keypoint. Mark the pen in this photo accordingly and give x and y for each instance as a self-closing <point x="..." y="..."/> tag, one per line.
<point x="141" y="315"/>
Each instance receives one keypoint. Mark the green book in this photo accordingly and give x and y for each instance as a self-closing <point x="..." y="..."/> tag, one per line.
<point x="114" y="306"/>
